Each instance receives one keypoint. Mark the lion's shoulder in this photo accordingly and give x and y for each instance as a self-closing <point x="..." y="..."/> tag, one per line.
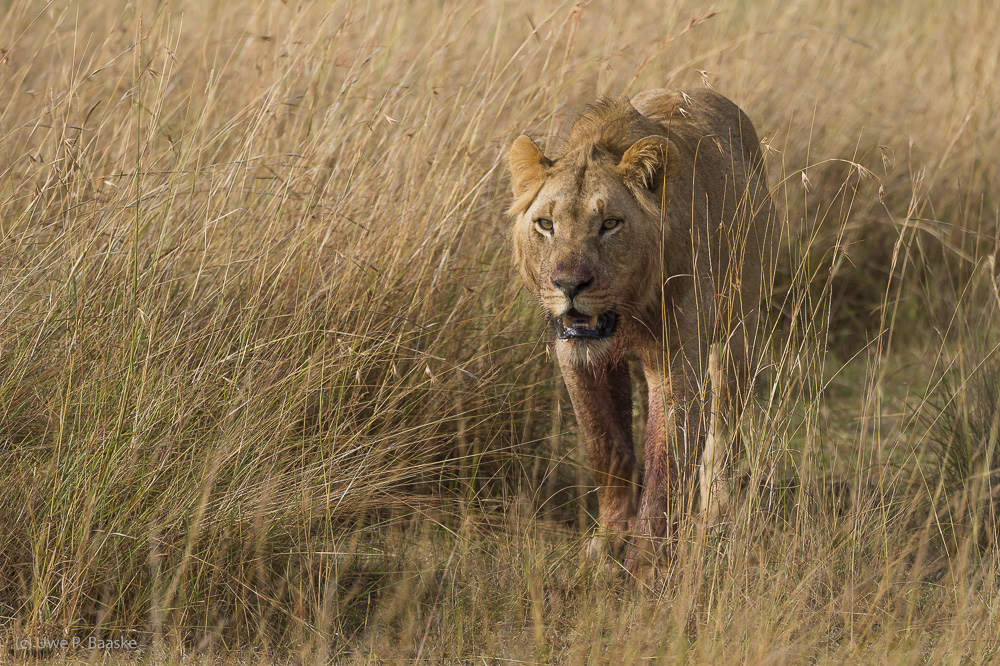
<point x="691" y="114"/>
<point x="697" y="107"/>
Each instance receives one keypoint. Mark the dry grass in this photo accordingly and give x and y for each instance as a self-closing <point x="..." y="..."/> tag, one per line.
<point x="269" y="388"/>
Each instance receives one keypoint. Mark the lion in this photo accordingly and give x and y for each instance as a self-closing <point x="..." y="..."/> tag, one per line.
<point x="649" y="240"/>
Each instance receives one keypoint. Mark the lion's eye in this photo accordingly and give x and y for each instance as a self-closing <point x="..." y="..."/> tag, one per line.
<point x="610" y="223"/>
<point x="543" y="224"/>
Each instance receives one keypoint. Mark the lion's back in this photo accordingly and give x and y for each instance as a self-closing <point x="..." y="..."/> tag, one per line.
<point x="721" y="152"/>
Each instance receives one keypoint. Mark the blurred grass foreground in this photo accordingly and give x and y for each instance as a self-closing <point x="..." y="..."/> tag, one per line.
<point x="270" y="390"/>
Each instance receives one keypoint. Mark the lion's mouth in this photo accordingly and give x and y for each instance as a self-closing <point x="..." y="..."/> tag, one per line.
<point x="575" y="325"/>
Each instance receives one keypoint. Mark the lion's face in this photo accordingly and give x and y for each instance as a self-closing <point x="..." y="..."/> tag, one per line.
<point x="587" y="242"/>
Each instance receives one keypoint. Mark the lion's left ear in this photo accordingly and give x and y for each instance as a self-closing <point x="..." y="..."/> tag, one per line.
<point x="527" y="165"/>
<point x="649" y="163"/>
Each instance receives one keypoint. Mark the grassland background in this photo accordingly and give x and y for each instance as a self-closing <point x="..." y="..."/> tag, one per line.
<point x="269" y="388"/>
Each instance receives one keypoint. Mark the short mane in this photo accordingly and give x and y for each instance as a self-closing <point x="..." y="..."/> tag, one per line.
<point x="610" y="124"/>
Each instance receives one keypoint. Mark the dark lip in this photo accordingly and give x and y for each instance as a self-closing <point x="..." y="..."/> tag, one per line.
<point x="606" y="324"/>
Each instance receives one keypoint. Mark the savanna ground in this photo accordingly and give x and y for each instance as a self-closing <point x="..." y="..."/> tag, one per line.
<point x="270" y="390"/>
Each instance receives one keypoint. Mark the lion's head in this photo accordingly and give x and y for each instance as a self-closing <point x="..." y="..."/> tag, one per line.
<point x="588" y="231"/>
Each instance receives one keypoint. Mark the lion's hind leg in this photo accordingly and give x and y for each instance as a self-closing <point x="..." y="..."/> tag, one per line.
<point x="714" y="490"/>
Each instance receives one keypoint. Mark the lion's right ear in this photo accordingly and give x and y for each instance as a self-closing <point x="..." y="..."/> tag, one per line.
<point x="527" y="165"/>
<point x="649" y="163"/>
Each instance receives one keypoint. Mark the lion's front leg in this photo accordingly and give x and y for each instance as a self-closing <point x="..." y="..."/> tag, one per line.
<point x="602" y="401"/>
<point x="673" y="440"/>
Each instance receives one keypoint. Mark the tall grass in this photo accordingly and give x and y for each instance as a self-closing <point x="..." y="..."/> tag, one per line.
<point x="269" y="387"/>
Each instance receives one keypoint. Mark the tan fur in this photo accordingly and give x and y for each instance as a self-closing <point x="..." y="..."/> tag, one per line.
<point x="685" y="269"/>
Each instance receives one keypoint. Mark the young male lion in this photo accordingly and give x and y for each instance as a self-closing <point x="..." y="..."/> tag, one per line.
<point x="650" y="237"/>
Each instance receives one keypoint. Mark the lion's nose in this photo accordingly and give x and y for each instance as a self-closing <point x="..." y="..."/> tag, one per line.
<point x="572" y="285"/>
